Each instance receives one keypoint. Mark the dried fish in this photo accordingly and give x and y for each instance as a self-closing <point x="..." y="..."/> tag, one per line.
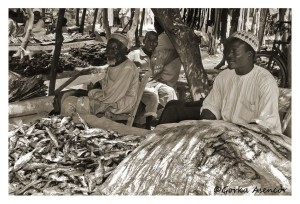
<point x="83" y="181"/>
<point x="65" y="121"/>
<point x="13" y="132"/>
<point x="35" y="165"/>
<point x="62" y="157"/>
<point x="30" y="129"/>
<point x="99" y="172"/>
<point x="52" y="137"/>
<point x="23" y="160"/>
<point x="58" y="178"/>
<point x="86" y="127"/>
<point x="25" y="188"/>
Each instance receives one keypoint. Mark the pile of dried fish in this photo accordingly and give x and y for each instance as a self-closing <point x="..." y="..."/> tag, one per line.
<point x="19" y="40"/>
<point x="55" y="156"/>
<point x="41" y="64"/>
<point x="93" y="54"/>
<point x="21" y="88"/>
<point x="50" y="38"/>
<point x="205" y="158"/>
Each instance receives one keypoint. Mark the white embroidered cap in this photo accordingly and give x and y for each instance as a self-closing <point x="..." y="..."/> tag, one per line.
<point x="37" y="9"/>
<point x="248" y="38"/>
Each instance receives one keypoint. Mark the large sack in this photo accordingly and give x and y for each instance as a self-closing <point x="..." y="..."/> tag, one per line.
<point x="205" y="158"/>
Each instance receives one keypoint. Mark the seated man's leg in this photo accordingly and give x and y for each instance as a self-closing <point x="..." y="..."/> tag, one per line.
<point x="68" y="105"/>
<point x="166" y="94"/>
<point x="72" y="104"/>
<point x="176" y="111"/>
<point x="170" y="113"/>
<point x="150" y="99"/>
<point x="195" y="103"/>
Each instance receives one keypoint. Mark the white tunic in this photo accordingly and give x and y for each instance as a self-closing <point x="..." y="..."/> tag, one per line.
<point x="245" y="98"/>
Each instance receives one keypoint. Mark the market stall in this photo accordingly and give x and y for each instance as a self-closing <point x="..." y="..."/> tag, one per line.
<point x="50" y="154"/>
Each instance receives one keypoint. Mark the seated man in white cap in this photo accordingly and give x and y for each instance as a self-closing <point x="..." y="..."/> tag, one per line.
<point x="244" y="93"/>
<point x="119" y="86"/>
<point x="38" y="27"/>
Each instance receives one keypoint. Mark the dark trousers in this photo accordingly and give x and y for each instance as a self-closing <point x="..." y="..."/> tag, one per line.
<point x="176" y="111"/>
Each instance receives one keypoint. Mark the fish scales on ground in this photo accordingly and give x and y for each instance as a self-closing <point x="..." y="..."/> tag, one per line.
<point x="197" y="159"/>
<point x="55" y="156"/>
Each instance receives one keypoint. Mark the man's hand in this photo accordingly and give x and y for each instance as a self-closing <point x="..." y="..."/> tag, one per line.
<point x="95" y="94"/>
<point x="90" y="86"/>
<point x="114" y="105"/>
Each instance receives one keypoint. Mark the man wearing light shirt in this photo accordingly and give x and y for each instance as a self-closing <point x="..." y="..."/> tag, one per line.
<point x="244" y="93"/>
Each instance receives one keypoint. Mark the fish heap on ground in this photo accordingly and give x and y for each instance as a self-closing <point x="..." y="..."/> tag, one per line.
<point x="204" y="156"/>
<point x="41" y="64"/>
<point x="93" y="54"/>
<point x="55" y="156"/>
<point x="21" y="88"/>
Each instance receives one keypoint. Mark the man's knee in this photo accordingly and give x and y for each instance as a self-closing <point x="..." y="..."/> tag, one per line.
<point x="68" y="106"/>
<point x="150" y="97"/>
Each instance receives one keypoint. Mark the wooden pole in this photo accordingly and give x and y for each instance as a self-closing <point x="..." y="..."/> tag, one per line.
<point x="240" y="21"/>
<point x="70" y="80"/>
<point x="43" y="12"/>
<point x="77" y="17"/>
<point x="253" y="26"/>
<point x="131" y="32"/>
<point x="81" y="29"/>
<point x="137" y="39"/>
<point x="105" y="23"/>
<point x="282" y="12"/>
<point x="142" y="22"/>
<point x="223" y="29"/>
<point x="234" y="20"/>
<point x="186" y="44"/>
<point x="58" y="43"/>
<point x="95" y="19"/>
<point x="262" y="24"/>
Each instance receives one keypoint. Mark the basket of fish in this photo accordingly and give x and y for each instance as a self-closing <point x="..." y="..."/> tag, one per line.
<point x="55" y="156"/>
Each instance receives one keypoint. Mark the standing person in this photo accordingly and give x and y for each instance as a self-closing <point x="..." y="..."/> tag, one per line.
<point x="125" y="15"/>
<point x="244" y="93"/>
<point x="225" y="51"/>
<point x="119" y="87"/>
<point x="12" y="25"/>
<point x="116" y="17"/>
<point x="38" y="27"/>
<point x="64" y="28"/>
<point x="165" y="65"/>
<point x="141" y="57"/>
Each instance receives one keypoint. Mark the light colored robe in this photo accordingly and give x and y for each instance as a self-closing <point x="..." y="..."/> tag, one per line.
<point x="245" y="98"/>
<point x="119" y="89"/>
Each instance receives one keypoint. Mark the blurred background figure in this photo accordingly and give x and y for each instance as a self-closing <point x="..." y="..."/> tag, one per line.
<point x="38" y="27"/>
<point x="12" y="25"/>
<point x="124" y="15"/>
